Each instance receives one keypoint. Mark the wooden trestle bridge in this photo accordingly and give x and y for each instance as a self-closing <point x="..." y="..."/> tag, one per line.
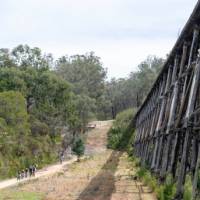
<point x="168" y="123"/>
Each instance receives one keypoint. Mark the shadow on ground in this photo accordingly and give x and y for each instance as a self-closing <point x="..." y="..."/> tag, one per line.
<point x="102" y="185"/>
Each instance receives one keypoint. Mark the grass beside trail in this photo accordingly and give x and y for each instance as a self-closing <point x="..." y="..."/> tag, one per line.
<point x="19" y="195"/>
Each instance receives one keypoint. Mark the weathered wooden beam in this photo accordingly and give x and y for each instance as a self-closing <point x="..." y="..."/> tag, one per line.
<point x="189" y="111"/>
<point x="183" y="59"/>
<point x="170" y="136"/>
<point x="182" y="173"/>
<point x="175" y="68"/>
<point x="194" y="41"/>
<point x="170" y="78"/>
<point x="163" y="100"/>
<point x="196" y="174"/>
<point x="168" y="128"/>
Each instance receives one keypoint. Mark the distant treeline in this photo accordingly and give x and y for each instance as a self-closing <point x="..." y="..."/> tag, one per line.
<point x="130" y="92"/>
<point x="46" y="103"/>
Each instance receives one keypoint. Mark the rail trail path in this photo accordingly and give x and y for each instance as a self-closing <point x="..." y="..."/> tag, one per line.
<point x="101" y="175"/>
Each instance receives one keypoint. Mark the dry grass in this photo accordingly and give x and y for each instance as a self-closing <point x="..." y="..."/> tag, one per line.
<point x="92" y="179"/>
<point x="107" y="175"/>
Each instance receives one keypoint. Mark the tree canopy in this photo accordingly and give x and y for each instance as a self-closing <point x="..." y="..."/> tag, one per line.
<point x="45" y="103"/>
<point x="121" y="94"/>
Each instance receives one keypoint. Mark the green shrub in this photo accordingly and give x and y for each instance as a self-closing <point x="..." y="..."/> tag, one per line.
<point x="137" y="162"/>
<point x="120" y="136"/>
<point x="78" y="147"/>
<point x="141" y="173"/>
<point x="38" y="128"/>
<point x="19" y="147"/>
<point x="187" y="195"/>
<point x="164" y="191"/>
<point x="167" y="190"/>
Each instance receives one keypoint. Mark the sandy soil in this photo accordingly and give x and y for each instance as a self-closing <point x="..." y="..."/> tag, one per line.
<point x="103" y="175"/>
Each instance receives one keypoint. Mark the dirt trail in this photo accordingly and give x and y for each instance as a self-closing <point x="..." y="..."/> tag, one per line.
<point x="103" y="175"/>
<point x="43" y="172"/>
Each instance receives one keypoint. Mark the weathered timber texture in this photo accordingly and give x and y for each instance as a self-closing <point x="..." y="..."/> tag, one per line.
<point x="168" y="123"/>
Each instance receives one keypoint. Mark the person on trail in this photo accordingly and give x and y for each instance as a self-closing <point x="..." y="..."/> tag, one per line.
<point x="30" y="170"/>
<point x="26" y="172"/>
<point x="22" y="174"/>
<point x="33" y="170"/>
<point x="18" y="176"/>
<point x="61" y="157"/>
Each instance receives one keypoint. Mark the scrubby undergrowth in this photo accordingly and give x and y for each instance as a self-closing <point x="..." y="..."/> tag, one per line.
<point x="121" y="137"/>
<point x="20" y="146"/>
<point x="164" y="191"/>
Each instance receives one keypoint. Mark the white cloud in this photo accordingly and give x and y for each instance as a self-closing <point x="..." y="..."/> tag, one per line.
<point x="121" y="32"/>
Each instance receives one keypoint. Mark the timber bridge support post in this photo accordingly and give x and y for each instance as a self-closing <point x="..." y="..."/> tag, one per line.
<point x="168" y="123"/>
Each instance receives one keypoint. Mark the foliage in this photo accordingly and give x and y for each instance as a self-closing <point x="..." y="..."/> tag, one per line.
<point x="43" y="102"/>
<point x="104" y="106"/>
<point x="187" y="195"/>
<point x="35" y="105"/>
<point x="167" y="190"/>
<point x="124" y="93"/>
<point x="78" y="147"/>
<point x="85" y="72"/>
<point x="24" y="56"/>
<point x="87" y="76"/>
<point x="13" y="112"/>
<point x="141" y="172"/>
<point x="11" y="79"/>
<point x="18" y="146"/>
<point x="119" y="136"/>
<point x="38" y="128"/>
<point x="85" y="107"/>
<point x="48" y="97"/>
<point x="164" y="191"/>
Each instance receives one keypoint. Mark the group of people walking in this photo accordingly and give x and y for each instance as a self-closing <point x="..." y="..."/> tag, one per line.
<point x="25" y="173"/>
<point x="31" y="170"/>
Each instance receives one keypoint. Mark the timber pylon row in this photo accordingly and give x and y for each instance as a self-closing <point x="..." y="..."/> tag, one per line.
<point x="168" y="123"/>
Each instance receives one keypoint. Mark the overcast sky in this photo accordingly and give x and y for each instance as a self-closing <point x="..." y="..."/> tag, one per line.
<point x="122" y="32"/>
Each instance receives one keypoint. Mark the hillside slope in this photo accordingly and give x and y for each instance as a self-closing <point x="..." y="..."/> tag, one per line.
<point x="104" y="175"/>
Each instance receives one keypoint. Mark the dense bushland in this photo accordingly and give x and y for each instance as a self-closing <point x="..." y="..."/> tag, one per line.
<point x="107" y="98"/>
<point x="46" y="103"/>
<point x="87" y="78"/>
<point x="39" y="112"/>
<point x="130" y="92"/>
<point x="19" y="146"/>
<point x="34" y="107"/>
<point x="121" y="134"/>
